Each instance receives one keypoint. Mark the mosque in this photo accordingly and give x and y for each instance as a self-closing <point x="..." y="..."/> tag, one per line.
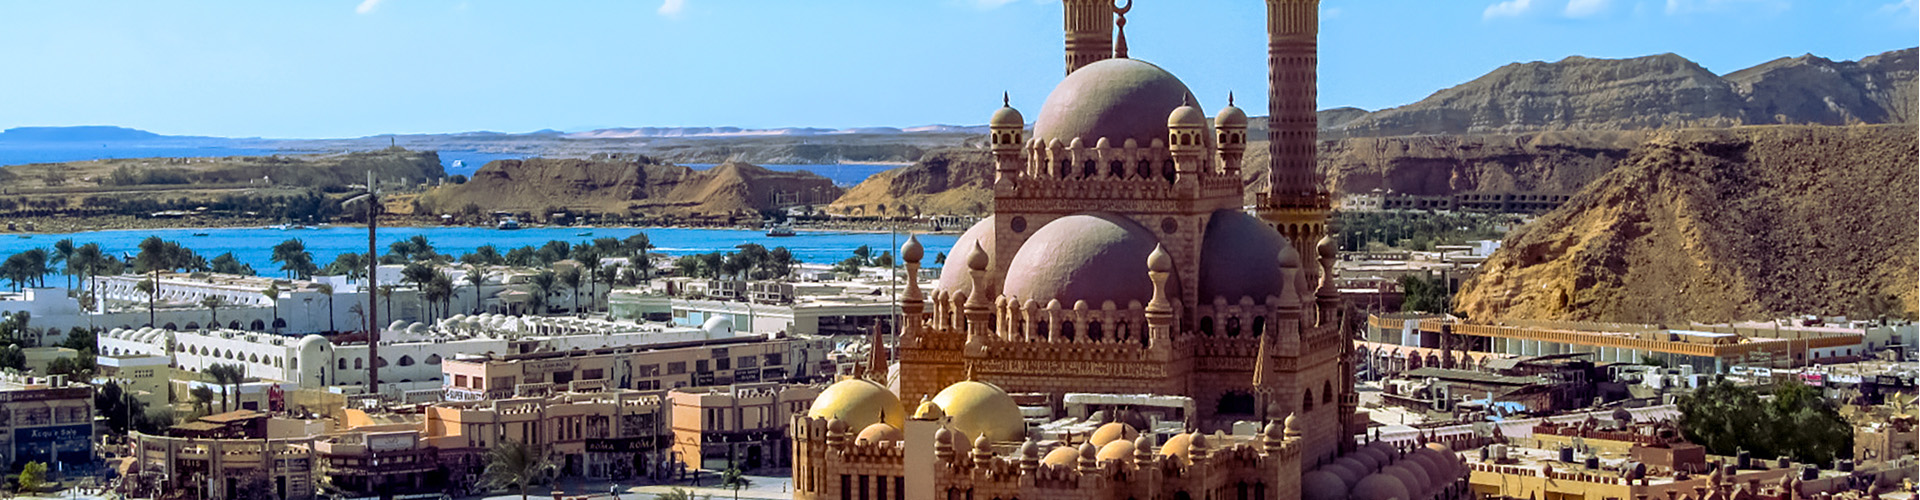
<point x="1121" y="260"/>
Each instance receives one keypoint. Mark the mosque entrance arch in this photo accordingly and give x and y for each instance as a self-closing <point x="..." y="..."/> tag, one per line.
<point x="1235" y="403"/>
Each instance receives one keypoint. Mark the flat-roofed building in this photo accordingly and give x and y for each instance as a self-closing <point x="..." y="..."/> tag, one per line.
<point x="1708" y="348"/>
<point x="47" y="420"/>
<point x="740" y="425"/>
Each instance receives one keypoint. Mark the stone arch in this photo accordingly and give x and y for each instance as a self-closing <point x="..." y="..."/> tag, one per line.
<point x="406" y="360"/>
<point x="359" y="363"/>
<point x="1235" y="403"/>
<point x="193" y="325"/>
<point x="1326" y="391"/>
<point x="1259" y="325"/>
<point x="1206" y="325"/>
<point x="1306" y="401"/>
<point x="433" y="359"/>
<point x="343" y="363"/>
<point x="235" y="324"/>
<point x="279" y="323"/>
<point x="258" y="325"/>
<point x="171" y="326"/>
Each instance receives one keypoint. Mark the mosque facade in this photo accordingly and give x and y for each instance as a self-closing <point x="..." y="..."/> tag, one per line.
<point x="1121" y="259"/>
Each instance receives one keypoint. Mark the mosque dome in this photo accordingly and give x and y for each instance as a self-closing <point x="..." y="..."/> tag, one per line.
<point x="953" y="272"/>
<point x="1119" y="449"/>
<point x="982" y="410"/>
<point x="1094" y="257"/>
<point x="1115" y="99"/>
<point x="859" y="402"/>
<point x="1380" y="486"/>
<point x="1348" y="470"/>
<point x="1063" y="456"/>
<point x="878" y="432"/>
<point x="1230" y="116"/>
<point x="1111" y="432"/>
<point x="1178" y="446"/>
<point x="1006" y="116"/>
<point x="1186" y="116"/>
<point x="1322" y="485"/>
<point x="1240" y="256"/>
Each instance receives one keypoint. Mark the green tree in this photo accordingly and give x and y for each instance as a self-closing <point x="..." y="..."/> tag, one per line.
<point x="514" y="464"/>
<point x="226" y="263"/>
<point x="1797" y="422"/>
<point x="734" y="479"/>
<point x="294" y="258"/>
<point x="202" y="398"/>
<point x="570" y="278"/>
<point x="273" y="295"/>
<point x="213" y="303"/>
<point x="226" y="375"/>
<point x="539" y="287"/>
<point x="327" y="290"/>
<point x="589" y="260"/>
<point x="63" y="252"/>
<point x="33" y="477"/>
<point x="117" y="406"/>
<point x="1424" y="294"/>
<point x="476" y="276"/>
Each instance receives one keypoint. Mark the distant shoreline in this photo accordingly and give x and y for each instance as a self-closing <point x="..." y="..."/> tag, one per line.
<point x="66" y="225"/>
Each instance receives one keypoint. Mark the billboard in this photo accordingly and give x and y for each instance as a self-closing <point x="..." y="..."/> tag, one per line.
<point x="71" y="444"/>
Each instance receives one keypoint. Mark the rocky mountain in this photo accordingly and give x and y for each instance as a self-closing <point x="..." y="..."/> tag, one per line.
<point x="945" y="181"/>
<point x="1718" y="225"/>
<point x="1660" y="91"/>
<point x="628" y="184"/>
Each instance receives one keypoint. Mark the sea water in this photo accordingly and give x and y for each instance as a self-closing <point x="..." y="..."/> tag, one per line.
<point x="59" y="152"/>
<point x="254" y="246"/>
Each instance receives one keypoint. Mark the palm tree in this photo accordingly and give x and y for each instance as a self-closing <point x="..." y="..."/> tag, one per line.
<point x="226" y="375"/>
<point x="327" y="289"/>
<point x="542" y="285"/>
<point x="589" y="260"/>
<point x="571" y="278"/>
<point x="418" y="274"/>
<point x="157" y="255"/>
<point x="63" y="251"/>
<point x="273" y="295"/>
<point x="87" y="261"/>
<point x="386" y="292"/>
<point x="609" y="274"/>
<point x="476" y="276"/>
<point x="202" y="398"/>
<point x="515" y="464"/>
<point x="733" y="478"/>
<point x="439" y="289"/>
<point x="213" y="303"/>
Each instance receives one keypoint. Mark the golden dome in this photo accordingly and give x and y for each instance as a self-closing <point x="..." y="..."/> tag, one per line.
<point x="1063" y="456"/>
<point x="1112" y="431"/>
<point x="1178" y="446"/>
<point x="929" y="411"/>
<point x="860" y="402"/>
<point x="1117" y="450"/>
<point x="878" y="432"/>
<point x="982" y="410"/>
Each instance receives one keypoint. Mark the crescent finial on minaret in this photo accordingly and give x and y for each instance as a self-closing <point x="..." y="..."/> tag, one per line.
<point x="1006" y="99"/>
<point x="1120" y="30"/>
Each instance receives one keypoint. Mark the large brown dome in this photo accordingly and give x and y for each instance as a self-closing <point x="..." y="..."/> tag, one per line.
<point x="1116" y="99"/>
<point x="953" y="272"/>
<point x="1240" y="257"/>
<point x="1094" y="257"/>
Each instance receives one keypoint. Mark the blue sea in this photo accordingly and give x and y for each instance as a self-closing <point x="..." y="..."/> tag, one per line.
<point x="254" y="245"/>
<point x="843" y="175"/>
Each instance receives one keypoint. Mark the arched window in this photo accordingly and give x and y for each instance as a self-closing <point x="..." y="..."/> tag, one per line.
<point x="343" y="363"/>
<point x="1117" y="169"/>
<point x="193" y="325"/>
<point x="1233" y="326"/>
<point x="279" y="322"/>
<point x="1143" y="169"/>
<point x="1259" y="325"/>
<point x="1166" y="170"/>
<point x="380" y="362"/>
<point x="235" y="324"/>
<point x="1087" y="169"/>
<point x="171" y="326"/>
<point x="1306" y="404"/>
<point x="258" y="325"/>
<point x="1206" y="326"/>
<point x="1093" y="331"/>
<point x="406" y="360"/>
<point x="1326" y="391"/>
<point x="359" y="363"/>
<point x="433" y="360"/>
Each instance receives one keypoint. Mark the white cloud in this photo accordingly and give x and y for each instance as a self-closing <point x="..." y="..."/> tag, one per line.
<point x="1334" y="13"/>
<point x="1586" y="8"/>
<point x="366" y="6"/>
<point x="1689" y="6"/>
<point x="1911" y="6"/>
<point x="672" y="8"/>
<point x="1508" y="8"/>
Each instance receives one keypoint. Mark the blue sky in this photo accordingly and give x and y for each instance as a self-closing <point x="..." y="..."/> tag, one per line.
<point x="346" y="68"/>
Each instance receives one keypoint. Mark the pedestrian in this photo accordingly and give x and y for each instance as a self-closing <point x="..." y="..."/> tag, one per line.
<point x="614" y="491"/>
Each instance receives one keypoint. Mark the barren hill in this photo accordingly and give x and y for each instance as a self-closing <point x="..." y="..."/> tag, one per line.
<point x="631" y="184"/>
<point x="1659" y="91"/>
<point x="1717" y="225"/>
<point x="945" y="181"/>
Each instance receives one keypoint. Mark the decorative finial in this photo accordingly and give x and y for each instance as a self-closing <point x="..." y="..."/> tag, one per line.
<point x="1120" y="27"/>
<point x="1186" y="100"/>
<point x="1229" y="98"/>
<point x="1006" y="100"/>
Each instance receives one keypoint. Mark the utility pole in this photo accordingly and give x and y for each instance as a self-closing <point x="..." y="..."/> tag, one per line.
<point x="373" y="290"/>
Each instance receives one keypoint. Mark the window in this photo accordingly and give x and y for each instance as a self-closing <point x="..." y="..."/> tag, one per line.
<point x="343" y="363"/>
<point x="406" y="360"/>
<point x="773" y="359"/>
<point x="676" y="367"/>
<point x="719" y="352"/>
<point x="459" y="380"/>
<point x="700" y="366"/>
<point x="649" y="370"/>
<point x="747" y="362"/>
<point x="722" y="364"/>
<point x="594" y="374"/>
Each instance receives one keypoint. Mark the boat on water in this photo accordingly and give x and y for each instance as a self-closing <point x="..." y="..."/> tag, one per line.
<point x="199" y="234"/>
<point x="781" y="229"/>
<point x="508" y="224"/>
<point x="584" y="233"/>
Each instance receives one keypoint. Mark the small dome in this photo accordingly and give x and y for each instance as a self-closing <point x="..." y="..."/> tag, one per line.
<point x="313" y="343"/>
<point x="1380" y="487"/>
<point x="1230" y="117"/>
<point x="878" y="432"/>
<point x="953" y="273"/>
<point x="1117" y="99"/>
<point x="860" y="402"/>
<point x="1111" y="432"/>
<point x="982" y="410"/>
<point x="1006" y="116"/>
<point x="1240" y="256"/>
<point x="1186" y="116"/>
<point x="718" y="325"/>
<point x="1117" y="450"/>
<point x="1322" y="485"/>
<point x="1347" y="469"/>
<point x="1369" y="457"/>
<point x="397" y="325"/>
<point x="1328" y="249"/>
<point x="1178" y="446"/>
<point x="1064" y="456"/>
<point x="928" y="411"/>
<point x="1094" y="257"/>
<point x="1414" y="483"/>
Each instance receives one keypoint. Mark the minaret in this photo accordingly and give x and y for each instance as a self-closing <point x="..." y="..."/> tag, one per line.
<point x="1296" y="201"/>
<point x="1230" y="130"/>
<point x="1009" y="136"/>
<point x="1089" y="26"/>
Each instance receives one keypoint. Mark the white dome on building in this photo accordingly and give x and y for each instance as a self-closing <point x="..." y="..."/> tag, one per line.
<point x="718" y="326"/>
